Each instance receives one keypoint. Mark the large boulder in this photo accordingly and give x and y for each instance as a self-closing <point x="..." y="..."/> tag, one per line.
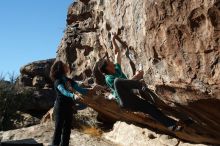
<point x="34" y="99"/>
<point x="130" y="135"/>
<point x="176" y="41"/>
<point x="176" y="44"/>
<point x="189" y="116"/>
<point x="34" y="88"/>
<point x="37" y="68"/>
<point x="39" y="81"/>
<point x="32" y="102"/>
<point x="18" y="120"/>
<point x="25" y="80"/>
<point x="36" y="74"/>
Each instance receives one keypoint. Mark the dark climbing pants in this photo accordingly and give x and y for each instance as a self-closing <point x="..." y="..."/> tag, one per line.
<point x="123" y="88"/>
<point x="63" y="122"/>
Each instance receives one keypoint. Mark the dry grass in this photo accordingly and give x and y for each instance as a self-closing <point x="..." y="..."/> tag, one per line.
<point x="93" y="131"/>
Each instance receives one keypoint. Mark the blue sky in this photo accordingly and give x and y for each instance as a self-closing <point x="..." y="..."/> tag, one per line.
<point x="30" y="31"/>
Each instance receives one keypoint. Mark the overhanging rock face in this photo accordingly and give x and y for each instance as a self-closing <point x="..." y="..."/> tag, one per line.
<point x="204" y="113"/>
<point x="176" y="41"/>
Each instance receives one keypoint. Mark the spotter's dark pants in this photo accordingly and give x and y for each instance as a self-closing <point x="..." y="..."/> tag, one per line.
<point x="63" y="121"/>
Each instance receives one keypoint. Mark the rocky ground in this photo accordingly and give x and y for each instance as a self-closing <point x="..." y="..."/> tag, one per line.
<point x="43" y="134"/>
<point x="87" y="131"/>
<point x="123" y="134"/>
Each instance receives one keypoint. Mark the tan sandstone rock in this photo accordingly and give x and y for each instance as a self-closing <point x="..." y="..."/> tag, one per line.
<point x="176" y="41"/>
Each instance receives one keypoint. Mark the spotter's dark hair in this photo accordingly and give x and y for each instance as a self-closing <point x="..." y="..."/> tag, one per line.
<point x="57" y="70"/>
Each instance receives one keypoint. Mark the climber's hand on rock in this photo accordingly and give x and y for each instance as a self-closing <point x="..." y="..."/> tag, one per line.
<point x="97" y="89"/>
<point x="94" y="89"/>
<point x="77" y="97"/>
<point x="115" y="36"/>
<point x="138" y="75"/>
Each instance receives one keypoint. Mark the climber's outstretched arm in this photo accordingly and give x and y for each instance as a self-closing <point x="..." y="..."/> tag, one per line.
<point x="117" y="50"/>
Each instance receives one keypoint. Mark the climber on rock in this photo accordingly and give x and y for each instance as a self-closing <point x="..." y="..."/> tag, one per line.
<point x="122" y="88"/>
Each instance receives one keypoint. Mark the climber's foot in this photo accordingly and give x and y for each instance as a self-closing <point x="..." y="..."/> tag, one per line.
<point x="175" y="128"/>
<point x="186" y="122"/>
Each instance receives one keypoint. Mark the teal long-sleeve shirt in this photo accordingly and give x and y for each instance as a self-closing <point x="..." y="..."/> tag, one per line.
<point x="61" y="88"/>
